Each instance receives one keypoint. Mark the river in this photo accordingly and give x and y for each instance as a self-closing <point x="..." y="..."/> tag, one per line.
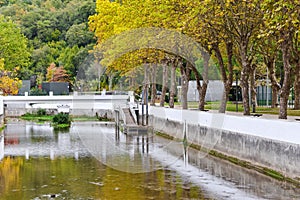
<point x="92" y="161"/>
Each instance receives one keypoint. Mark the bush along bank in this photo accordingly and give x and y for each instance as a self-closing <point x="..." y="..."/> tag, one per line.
<point x="61" y="121"/>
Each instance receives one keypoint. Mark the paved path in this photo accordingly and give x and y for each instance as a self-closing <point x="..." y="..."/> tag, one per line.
<point x="264" y="116"/>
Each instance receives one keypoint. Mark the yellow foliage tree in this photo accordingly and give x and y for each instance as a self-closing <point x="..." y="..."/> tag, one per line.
<point x="9" y="85"/>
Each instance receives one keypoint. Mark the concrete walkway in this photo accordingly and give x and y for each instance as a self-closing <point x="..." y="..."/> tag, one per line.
<point x="266" y="116"/>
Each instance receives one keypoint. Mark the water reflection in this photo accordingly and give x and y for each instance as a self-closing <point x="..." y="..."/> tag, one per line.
<point x="225" y="180"/>
<point x="122" y="152"/>
<point x="32" y="139"/>
<point x="42" y="164"/>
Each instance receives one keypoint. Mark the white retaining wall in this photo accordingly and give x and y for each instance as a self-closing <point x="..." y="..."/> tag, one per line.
<point x="269" y="143"/>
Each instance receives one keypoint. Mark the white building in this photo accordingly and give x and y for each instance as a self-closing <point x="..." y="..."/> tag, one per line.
<point x="214" y="91"/>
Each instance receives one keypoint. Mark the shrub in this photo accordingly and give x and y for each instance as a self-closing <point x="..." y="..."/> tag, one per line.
<point x="37" y="92"/>
<point x="41" y="112"/>
<point x="61" y="118"/>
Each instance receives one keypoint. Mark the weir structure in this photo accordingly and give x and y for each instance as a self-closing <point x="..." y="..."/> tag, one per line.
<point x="133" y="123"/>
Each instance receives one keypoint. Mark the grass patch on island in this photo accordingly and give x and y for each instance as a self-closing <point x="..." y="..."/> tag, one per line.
<point x="35" y="117"/>
<point x="84" y="118"/>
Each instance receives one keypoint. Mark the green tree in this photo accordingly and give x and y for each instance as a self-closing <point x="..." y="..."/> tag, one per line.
<point x="13" y="45"/>
<point x="78" y="34"/>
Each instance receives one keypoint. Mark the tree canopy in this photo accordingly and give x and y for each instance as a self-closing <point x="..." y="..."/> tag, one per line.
<point x="13" y="45"/>
<point x="51" y="28"/>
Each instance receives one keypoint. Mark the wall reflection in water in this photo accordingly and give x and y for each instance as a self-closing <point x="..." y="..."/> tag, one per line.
<point x="244" y="179"/>
<point x="30" y="139"/>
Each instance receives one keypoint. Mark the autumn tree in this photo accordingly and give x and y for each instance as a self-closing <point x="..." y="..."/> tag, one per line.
<point x="9" y="83"/>
<point x="113" y="18"/>
<point x="268" y="49"/>
<point x="282" y="19"/>
<point x="56" y="74"/>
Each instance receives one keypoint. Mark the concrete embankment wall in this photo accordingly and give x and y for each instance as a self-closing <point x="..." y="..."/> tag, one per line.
<point x="274" y="144"/>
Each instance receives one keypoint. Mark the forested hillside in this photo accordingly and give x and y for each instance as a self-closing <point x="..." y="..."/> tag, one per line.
<point x="56" y="31"/>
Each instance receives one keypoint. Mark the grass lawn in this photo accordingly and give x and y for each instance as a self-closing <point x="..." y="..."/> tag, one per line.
<point x="232" y="107"/>
<point x="40" y="118"/>
<point x="84" y="118"/>
<point x="33" y="117"/>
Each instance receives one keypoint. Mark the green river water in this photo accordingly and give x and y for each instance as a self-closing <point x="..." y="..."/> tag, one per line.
<point x="40" y="163"/>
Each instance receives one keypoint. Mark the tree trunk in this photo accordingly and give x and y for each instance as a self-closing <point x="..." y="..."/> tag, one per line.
<point x="285" y="90"/>
<point x="164" y="85"/>
<point x="253" y="88"/>
<point x="173" y="84"/>
<point x="132" y="80"/>
<point x="227" y="80"/>
<point x="297" y="87"/>
<point x="185" y="75"/>
<point x="203" y="89"/>
<point x="274" y="84"/>
<point x="225" y="97"/>
<point x="245" y="77"/>
<point x="245" y="91"/>
<point x="110" y="81"/>
<point x="199" y="89"/>
<point x="146" y="84"/>
<point x="153" y="84"/>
